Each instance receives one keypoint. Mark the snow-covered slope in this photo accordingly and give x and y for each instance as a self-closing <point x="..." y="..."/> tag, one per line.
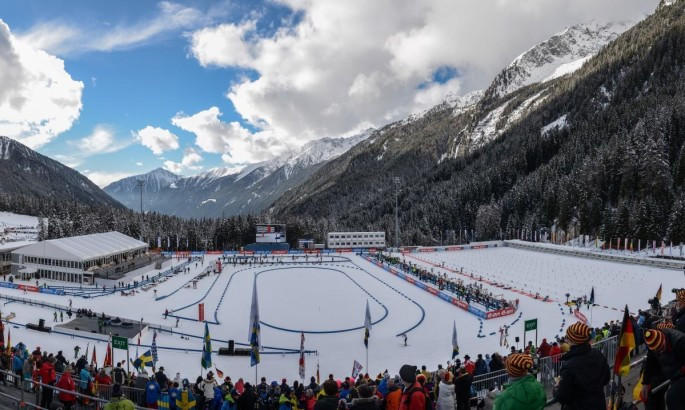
<point x="562" y="54"/>
<point x="126" y="190"/>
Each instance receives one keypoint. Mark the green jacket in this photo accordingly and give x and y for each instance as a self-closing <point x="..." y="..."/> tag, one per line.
<point x="119" y="403"/>
<point x="523" y="394"/>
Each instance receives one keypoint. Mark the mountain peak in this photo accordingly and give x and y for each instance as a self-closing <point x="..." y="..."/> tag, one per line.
<point x="561" y="54"/>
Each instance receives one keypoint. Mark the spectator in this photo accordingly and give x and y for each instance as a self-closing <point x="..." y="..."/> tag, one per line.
<point x="366" y="400"/>
<point x="185" y="399"/>
<point x="66" y="382"/>
<point x="480" y="366"/>
<point x="523" y="392"/>
<point x="309" y="400"/>
<point x="544" y="349"/>
<point x="584" y="373"/>
<point x="152" y="393"/>
<point x="462" y="387"/>
<point x="446" y="397"/>
<point x="119" y="375"/>
<point x="391" y="401"/>
<point x="413" y="396"/>
<point x="667" y="354"/>
<point x="329" y="399"/>
<point x="47" y="375"/>
<point x="118" y="401"/>
<point x="161" y="378"/>
<point x="248" y="399"/>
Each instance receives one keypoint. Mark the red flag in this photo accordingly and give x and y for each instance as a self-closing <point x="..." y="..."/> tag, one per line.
<point x="108" y="356"/>
<point x="626" y="343"/>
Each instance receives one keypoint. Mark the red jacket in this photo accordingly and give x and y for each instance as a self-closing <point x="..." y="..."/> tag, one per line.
<point x="103" y="379"/>
<point x="67" y="383"/>
<point x="544" y="349"/>
<point x="47" y="372"/>
<point x="470" y="366"/>
<point x="417" y="400"/>
<point x="555" y="351"/>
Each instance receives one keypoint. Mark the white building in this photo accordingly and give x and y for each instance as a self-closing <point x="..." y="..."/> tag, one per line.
<point x="78" y="258"/>
<point x="337" y="240"/>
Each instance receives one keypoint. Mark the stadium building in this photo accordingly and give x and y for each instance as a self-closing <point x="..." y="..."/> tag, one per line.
<point x="79" y="259"/>
<point x="338" y="240"/>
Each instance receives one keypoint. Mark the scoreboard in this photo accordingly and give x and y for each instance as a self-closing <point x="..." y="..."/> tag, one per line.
<point x="270" y="233"/>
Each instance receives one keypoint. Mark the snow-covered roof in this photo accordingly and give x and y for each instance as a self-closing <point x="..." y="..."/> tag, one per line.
<point x="83" y="248"/>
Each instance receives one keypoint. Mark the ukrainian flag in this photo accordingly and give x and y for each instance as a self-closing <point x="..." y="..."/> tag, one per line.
<point x="145" y="360"/>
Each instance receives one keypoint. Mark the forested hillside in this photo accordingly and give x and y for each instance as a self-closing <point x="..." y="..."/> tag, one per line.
<point x="602" y="154"/>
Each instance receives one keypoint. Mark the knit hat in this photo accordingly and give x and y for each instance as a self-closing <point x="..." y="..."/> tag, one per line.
<point x="518" y="364"/>
<point x="578" y="333"/>
<point x="665" y="325"/>
<point x="680" y="295"/>
<point x="655" y="340"/>
<point x="408" y="373"/>
<point x="447" y="377"/>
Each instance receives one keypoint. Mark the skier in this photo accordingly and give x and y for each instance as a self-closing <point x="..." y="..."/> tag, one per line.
<point x="54" y="315"/>
<point x="405" y="339"/>
<point x="61" y="316"/>
<point x="166" y="313"/>
<point x="177" y="319"/>
<point x="76" y="350"/>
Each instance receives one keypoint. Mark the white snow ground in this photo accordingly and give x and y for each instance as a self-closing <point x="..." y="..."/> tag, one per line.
<point x="333" y="296"/>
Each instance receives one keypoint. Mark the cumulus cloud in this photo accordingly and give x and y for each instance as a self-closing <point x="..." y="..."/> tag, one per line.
<point x="189" y="162"/>
<point x="102" y="140"/>
<point x="157" y="139"/>
<point x="38" y="98"/>
<point x="63" y="38"/>
<point x="341" y="67"/>
<point x="236" y="143"/>
<point x="103" y="178"/>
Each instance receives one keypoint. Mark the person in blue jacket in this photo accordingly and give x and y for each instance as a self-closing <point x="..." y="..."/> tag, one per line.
<point x="17" y="366"/>
<point x="152" y="391"/>
<point x="173" y="395"/>
<point x="218" y="399"/>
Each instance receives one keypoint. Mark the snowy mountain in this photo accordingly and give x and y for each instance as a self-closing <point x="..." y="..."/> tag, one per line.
<point x="127" y="192"/>
<point x="561" y="54"/>
<point x="24" y="172"/>
<point x="231" y="191"/>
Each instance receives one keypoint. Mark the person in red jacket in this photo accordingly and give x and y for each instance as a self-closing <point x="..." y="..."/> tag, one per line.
<point x="544" y="349"/>
<point x="47" y="376"/>
<point x="469" y="365"/>
<point x="103" y="381"/>
<point x="66" y="382"/>
<point x="413" y="396"/>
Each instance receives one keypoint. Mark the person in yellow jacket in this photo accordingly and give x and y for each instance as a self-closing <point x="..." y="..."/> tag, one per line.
<point x="287" y="401"/>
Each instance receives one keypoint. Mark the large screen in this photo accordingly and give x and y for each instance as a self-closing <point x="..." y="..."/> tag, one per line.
<point x="270" y="233"/>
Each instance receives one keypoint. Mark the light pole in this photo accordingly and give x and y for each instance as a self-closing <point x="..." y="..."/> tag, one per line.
<point x="397" y="220"/>
<point x="141" y="183"/>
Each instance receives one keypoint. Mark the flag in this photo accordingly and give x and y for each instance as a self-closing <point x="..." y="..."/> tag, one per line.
<point x="302" y="373"/>
<point x="658" y="292"/>
<point x="367" y="325"/>
<point x="94" y="359"/>
<point x="317" y="372"/>
<point x="163" y="401"/>
<point x="626" y="343"/>
<point x="206" y="361"/>
<point x="592" y="296"/>
<point x="138" y="345"/>
<point x="254" y="334"/>
<point x="2" y="335"/>
<point x="9" y="341"/>
<point x="153" y="349"/>
<point x="87" y="347"/>
<point x="219" y="373"/>
<point x="356" y="369"/>
<point x="144" y="360"/>
<point x="108" y="356"/>
<point x="455" y="343"/>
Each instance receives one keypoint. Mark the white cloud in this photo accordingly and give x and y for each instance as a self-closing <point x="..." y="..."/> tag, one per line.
<point x="157" y="139"/>
<point x="236" y="143"/>
<point x="342" y="66"/>
<point x="102" y="140"/>
<point x="63" y="38"/>
<point x="38" y="98"/>
<point x="140" y="164"/>
<point x="189" y="162"/>
<point x="102" y="179"/>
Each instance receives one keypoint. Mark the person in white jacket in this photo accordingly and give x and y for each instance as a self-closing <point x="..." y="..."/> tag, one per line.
<point x="208" y="386"/>
<point x="447" y="398"/>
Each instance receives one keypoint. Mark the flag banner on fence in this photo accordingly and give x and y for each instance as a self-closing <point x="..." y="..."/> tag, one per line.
<point x="455" y="343"/>
<point x="367" y="325"/>
<point x="301" y="363"/>
<point x="626" y="343"/>
<point x="254" y="335"/>
<point x="356" y="369"/>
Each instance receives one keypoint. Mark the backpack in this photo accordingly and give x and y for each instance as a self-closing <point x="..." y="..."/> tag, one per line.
<point x="428" y="405"/>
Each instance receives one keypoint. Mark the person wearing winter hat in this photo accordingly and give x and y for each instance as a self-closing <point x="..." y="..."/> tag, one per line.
<point x="678" y="317"/>
<point x="329" y="399"/>
<point x="665" y="361"/>
<point x="446" y="395"/>
<point x="413" y="396"/>
<point x="523" y="391"/>
<point x="118" y="401"/>
<point x="584" y="373"/>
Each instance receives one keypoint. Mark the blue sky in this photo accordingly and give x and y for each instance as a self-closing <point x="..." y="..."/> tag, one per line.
<point x="116" y="88"/>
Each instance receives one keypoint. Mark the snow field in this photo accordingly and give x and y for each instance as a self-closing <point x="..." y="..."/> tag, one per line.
<point x="332" y="296"/>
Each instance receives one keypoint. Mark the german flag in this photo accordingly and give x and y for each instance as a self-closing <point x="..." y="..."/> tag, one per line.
<point x="658" y="293"/>
<point x="626" y="343"/>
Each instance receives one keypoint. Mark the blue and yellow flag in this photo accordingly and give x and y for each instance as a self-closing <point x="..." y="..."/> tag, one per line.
<point x="254" y="327"/>
<point x="163" y="401"/>
<point x="207" y="349"/>
<point x="145" y="360"/>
